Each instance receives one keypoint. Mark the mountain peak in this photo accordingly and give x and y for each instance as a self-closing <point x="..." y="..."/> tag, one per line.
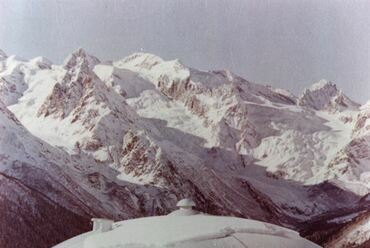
<point x="154" y="68"/>
<point x="2" y="55"/>
<point x="41" y="62"/>
<point x="81" y="52"/>
<point x="366" y="106"/>
<point x="148" y="61"/>
<point x="322" y="84"/>
<point x="82" y="58"/>
<point x="324" y="95"/>
<point x="142" y="56"/>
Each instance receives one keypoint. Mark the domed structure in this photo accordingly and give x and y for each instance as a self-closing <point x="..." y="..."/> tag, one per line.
<point x="186" y="203"/>
<point x="187" y="228"/>
<point x="185" y="208"/>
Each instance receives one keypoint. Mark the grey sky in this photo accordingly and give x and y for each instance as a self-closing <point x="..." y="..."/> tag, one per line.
<point x="286" y="43"/>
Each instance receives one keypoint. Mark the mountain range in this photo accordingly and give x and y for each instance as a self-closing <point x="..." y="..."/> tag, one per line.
<point x="128" y="138"/>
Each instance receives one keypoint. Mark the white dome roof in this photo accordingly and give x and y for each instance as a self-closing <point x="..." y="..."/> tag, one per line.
<point x="186" y="203"/>
<point x="191" y="231"/>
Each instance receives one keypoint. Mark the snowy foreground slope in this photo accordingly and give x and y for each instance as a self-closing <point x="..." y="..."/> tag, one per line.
<point x="129" y="138"/>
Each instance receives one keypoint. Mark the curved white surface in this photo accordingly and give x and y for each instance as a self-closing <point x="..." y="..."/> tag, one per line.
<point x="193" y="231"/>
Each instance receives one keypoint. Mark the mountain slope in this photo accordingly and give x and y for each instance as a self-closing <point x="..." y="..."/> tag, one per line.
<point x="47" y="195"/>
<point x="140" y="133"/>
<point x="35" y="207"/>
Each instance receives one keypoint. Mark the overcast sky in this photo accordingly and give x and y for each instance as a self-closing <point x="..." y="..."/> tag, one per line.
<point x="285" y="43"/>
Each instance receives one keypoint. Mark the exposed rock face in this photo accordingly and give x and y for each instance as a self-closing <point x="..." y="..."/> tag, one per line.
<point x="129" y="138"/>
<point x="74" y="89"/>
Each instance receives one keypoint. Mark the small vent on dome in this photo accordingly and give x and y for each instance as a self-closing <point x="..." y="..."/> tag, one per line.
<point x="102" y="225"/>
<point x="186" y="204"/>
<point x="185" y="208"/>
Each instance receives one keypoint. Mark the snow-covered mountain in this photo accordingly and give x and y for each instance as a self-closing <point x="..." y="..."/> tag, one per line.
<point x="131" y="137"/>
<point x="324" y="95"/>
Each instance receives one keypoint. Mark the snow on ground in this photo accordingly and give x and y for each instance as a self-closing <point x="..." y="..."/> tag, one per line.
<point x="364" y="116"/>
<point x="125" y="82"/>
<point x="152" y="104"/>
<point x="16" y="74"/>
<point x="269" y="104"/>
<point x="217" y="106"/>
<point x="305" y="157"/>
<point x="140" y="180"/>
<point x="341" y="131"/>
<point x="154" y="68"/>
